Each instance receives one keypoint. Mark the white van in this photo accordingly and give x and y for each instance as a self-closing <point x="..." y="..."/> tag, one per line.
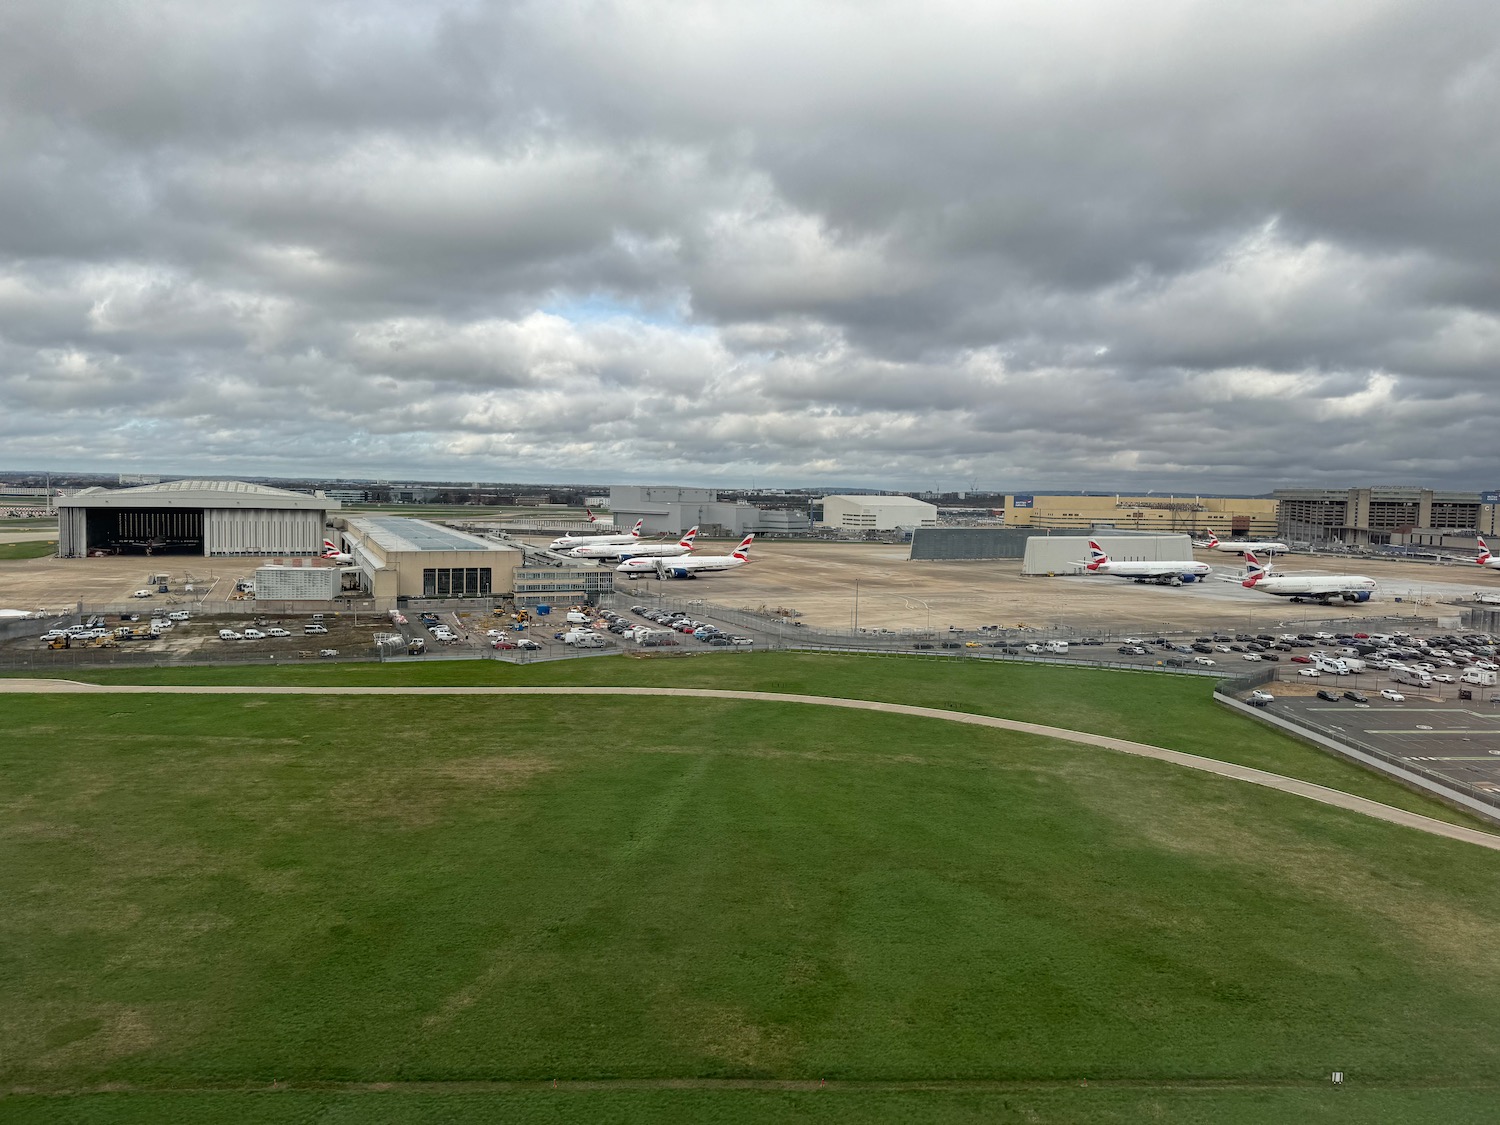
<point x="1058" y="647"/>
<point x="577" y="618"/>
<point x="229" y="635"/>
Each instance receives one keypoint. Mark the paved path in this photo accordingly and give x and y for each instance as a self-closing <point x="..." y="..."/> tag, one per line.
<point x="1312" y="792"/>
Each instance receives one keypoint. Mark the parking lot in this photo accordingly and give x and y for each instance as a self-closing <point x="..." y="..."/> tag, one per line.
<point x="1457" y="740"/>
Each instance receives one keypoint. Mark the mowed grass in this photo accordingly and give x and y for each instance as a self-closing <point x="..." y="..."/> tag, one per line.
<point x="1174" y="711"/>
<point x="30" y="549"/>
<point x="210" y="893"/>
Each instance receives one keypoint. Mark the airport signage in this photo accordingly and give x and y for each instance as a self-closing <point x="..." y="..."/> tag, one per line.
<point x="1022" y="501"/>
<point x="1489" y="497"/>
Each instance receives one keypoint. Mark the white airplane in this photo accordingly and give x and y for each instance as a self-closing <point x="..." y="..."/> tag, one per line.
<point x="1241" y="546"/>
<point x="569" y="541"/>
<point x="1169" y="573"/>
<point x="690" y="566"/>
<point x="1325" y="588"/>
<point x="624" y="551"/>
<point x="1485" y="558"/>
<point x="334" y="555"/>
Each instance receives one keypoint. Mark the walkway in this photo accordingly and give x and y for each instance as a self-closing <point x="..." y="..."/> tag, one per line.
<point x="1319" y="793"/>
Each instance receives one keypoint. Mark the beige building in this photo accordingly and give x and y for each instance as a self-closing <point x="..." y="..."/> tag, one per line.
<point x="1184" y="515"/>
<point x="410" y="558"/>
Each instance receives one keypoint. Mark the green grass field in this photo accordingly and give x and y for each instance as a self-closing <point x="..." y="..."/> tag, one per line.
<point x="1177" y="712"/>
<point x="266" y="909"/>
<point x="31" y="549"/>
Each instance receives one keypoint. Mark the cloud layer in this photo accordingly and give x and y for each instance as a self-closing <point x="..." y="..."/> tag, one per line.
<point x="1180" y="245"/>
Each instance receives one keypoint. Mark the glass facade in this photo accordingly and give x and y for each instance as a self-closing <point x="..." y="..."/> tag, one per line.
<point x="456" y="582"/>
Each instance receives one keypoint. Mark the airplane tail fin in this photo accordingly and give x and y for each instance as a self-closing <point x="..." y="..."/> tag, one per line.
<point x="1097" y="557"/>
<point x="743" y="550"/>
<point x="687" y="540"/>
<point x="591" y="516"/>
<point x="329" y="547"/>
<point x="1484" y="553"/>
<point x="1255" y="570"/>
<point x="636" y="530"/>
<point x="1213" y="540"/>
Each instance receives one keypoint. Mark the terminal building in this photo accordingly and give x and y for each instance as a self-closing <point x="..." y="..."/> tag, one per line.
<point x="1382" y="516"/>
<point x="667" y="509"/>
<point x="207" y="518"/>
<point x="1229" y="516"/>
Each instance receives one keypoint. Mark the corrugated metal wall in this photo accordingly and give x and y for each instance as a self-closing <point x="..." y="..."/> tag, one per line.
<point x="72" y="533"/>
<point x="1064" y="554"/>
<point x="956" y="543"/>
<point x="261" y="531"/>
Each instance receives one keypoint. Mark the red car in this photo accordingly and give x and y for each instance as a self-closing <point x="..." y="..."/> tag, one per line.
<point x="1301" y="660"/>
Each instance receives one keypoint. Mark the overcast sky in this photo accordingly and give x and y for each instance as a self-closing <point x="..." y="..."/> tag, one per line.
<point x="1024" y="245"/>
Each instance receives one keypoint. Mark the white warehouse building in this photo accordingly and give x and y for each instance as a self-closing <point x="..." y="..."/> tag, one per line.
<point x="877" y="513"/>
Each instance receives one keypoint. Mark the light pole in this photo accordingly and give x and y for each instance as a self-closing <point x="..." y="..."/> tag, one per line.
<point x="856" y="606"/>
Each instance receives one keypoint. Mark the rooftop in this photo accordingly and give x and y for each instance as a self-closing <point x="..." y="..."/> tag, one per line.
<point x="402" y="533"/>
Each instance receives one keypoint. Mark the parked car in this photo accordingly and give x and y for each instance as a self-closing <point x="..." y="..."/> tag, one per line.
<point x="1392" y="695"/>
<point x="1260" y="698"/>
<point x="1356" y="697"/>
<point x="328" y="652"/>
<point x="1310" y="673"/>
<point x="1328" y="695"/>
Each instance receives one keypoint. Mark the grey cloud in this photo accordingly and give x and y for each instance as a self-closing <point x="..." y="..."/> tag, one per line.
<point x="1236" y="247"/>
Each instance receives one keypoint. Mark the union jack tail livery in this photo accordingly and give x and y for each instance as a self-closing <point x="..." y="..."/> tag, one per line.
<point x="742" y="552"/>
<point x="1213" y="540"/>
<point x="636" y="530"/>
<point x="1484" y="553"/>
<point x="1254" y="570"/>
<point x="1097" y="557"/>
<point x="687" y="540"/>
<point x="592" y="518"/>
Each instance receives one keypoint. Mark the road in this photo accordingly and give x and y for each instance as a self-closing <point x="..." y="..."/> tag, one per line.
<point x="1319" y="793"/>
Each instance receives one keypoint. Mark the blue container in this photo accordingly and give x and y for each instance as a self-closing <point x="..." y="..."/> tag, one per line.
<point x="543" y="610"/>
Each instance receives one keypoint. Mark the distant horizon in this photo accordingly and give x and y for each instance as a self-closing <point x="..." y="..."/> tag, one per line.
<point x="835" y="489"/>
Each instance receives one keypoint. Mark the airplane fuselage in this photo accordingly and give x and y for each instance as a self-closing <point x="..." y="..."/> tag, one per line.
<point x="632" y="550"/>
<point x="1328" y="587"/>
<point x="1168" y="573"/>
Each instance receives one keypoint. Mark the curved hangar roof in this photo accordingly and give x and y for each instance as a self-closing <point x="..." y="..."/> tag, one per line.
<point x="198" y="494"/>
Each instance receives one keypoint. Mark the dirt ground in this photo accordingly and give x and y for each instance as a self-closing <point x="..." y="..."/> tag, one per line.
<point x="818" y="580"/>
<point x="821" y="582"/>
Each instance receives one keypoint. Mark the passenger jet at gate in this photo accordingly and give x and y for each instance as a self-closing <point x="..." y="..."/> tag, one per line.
<point x="690" y="566"/>
<point x="624" y="551"/>
<point x="1169" y="573"/>
<point x="569" y="541"/>
<point x="1243" y="546"/>
<point x="1325" y="588"/>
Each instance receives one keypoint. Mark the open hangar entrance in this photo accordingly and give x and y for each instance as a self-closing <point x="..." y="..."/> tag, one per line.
<point x="148" y="531"/>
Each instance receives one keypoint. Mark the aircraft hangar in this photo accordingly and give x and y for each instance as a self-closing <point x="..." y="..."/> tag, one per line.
<point x="209" y="518"/>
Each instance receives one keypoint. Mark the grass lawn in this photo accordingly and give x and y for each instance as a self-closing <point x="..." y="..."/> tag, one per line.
<point x="31" y="549"/>
<point x="1177" y="712"/>
<point x="208" y="894"/>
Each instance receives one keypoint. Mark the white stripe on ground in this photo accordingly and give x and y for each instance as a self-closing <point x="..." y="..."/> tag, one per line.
<point x="1320" y="793"/>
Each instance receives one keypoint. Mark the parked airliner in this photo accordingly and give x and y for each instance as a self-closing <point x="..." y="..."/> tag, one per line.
<point x="1485" y="558"/>
<point x="1241" y="546"/>
<point x="332" y="554"/>
<point x="569" y="541"/>
<point x="636" y="550"/>
<point x="1324" y="588"/>
<point x="689" y="566"/>
<point x="1169" y="573"/>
